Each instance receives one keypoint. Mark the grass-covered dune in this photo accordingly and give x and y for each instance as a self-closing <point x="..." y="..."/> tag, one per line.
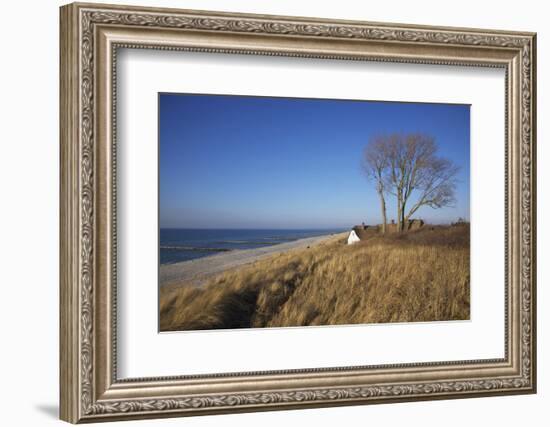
<point x="417" y="276"/>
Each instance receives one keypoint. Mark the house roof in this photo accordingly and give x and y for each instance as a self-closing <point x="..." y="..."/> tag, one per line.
<point x="362" y="231"/>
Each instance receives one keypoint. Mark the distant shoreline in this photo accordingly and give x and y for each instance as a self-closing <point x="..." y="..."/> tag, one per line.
<point x="201" y="268"/>
<point x="182" y="244"/>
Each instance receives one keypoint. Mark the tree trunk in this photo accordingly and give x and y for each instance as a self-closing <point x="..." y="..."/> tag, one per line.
<point x="383" y="208"/>
<point x="402" y="218"/>
<point x="399" y="213"/>
<point x="401" y="203"/>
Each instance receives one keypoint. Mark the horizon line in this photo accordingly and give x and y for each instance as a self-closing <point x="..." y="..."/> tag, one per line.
<point x="292" y="228"/>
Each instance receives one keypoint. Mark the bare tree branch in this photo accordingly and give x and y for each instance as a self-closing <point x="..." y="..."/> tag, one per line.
<point x="408" y="167"/>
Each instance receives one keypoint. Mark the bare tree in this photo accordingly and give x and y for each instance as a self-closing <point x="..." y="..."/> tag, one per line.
<point x="412" y="171"/>
<point x="374" y="165"/>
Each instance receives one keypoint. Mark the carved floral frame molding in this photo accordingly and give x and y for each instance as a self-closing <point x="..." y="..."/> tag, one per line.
<point x="90" y="37"/>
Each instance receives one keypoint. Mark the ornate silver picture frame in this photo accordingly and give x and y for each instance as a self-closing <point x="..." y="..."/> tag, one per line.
<point x="91" y="390"/>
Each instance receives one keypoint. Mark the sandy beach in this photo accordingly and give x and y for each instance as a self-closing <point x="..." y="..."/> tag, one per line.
<point x="199" y="269"/>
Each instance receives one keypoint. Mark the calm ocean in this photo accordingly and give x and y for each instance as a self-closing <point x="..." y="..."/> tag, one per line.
<point x="186" y="244"/>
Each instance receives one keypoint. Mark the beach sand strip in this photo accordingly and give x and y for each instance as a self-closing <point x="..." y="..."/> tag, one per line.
<point x="198" y="270"/>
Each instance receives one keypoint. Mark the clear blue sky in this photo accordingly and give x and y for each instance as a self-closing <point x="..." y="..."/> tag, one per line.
<point x="258" y="162"/>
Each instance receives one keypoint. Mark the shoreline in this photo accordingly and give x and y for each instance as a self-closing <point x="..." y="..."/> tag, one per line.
<point x="201" y="268"/>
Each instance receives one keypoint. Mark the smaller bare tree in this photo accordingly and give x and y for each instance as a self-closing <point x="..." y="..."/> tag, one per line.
<point x="374" y="164"/>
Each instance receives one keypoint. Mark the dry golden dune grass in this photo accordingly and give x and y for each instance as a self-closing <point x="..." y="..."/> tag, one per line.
<point x="417" y="276"/>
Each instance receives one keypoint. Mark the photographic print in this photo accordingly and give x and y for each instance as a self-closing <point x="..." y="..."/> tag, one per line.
<point x="279" y="212"/>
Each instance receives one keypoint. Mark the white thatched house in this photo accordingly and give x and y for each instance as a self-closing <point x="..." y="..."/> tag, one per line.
<point x="361" y="232"/>
<point x="357" y="233"/>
